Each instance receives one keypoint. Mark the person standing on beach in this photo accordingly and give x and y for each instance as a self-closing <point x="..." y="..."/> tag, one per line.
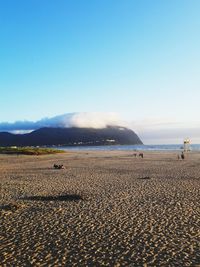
<point x="182" y="156"/>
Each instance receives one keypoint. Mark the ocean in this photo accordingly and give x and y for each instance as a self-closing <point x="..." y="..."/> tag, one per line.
<point x="193" y="147"/>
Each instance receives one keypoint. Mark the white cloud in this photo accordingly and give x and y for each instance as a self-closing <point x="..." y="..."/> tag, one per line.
<point x="80" y="120"/>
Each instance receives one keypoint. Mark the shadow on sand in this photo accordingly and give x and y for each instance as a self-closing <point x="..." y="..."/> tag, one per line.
<point x="71" y="197"/>
<point x="9" y="207"/>
<point x="144" y="178"/>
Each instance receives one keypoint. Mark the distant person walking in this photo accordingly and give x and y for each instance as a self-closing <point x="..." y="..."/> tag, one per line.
<point x="182" y="156"/>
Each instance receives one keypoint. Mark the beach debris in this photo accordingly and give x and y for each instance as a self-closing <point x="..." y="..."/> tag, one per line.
<point x="56" y="166"/>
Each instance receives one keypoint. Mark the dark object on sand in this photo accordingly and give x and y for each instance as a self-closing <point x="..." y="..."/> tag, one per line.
<point x="66" y="197"/>
<point x="144" y="178"/>
<point x="58" y="166"/>
<point x="11" y="207"/>
<point x="135" y="155"/>
<point x="141" y="155"/>
<point x="182" y="156"/>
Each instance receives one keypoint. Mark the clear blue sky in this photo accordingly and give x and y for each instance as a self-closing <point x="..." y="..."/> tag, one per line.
<point x="140" y="58"/>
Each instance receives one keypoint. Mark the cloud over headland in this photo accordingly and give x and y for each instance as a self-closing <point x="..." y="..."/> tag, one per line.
<point x="151" y="131"/>
<point x="81" y="120"/>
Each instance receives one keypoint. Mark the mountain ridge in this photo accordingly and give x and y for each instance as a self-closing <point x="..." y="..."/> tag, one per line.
<point x="48" y="136"/>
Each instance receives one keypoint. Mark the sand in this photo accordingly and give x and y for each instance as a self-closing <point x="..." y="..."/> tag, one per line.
<point x="103" y="209"/>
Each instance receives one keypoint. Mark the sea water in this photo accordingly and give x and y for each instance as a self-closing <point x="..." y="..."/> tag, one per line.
<point x="193" y="147"/>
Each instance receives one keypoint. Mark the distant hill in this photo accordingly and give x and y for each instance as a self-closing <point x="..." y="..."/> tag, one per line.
<point x="72" y="137"/>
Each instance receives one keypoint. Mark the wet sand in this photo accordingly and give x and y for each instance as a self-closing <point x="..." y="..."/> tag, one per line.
<point x="103" y="209"/>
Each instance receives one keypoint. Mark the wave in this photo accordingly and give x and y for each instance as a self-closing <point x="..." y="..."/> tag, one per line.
<point x="179" y="147"/>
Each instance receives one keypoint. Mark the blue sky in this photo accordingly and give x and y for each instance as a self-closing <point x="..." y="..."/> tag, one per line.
<point x="136" y="58"/>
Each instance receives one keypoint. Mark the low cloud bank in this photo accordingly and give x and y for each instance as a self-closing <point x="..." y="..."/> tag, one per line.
<point x="81" y="120"/>
<point x="166" y="131"/>
<point x="170" y="136"/>
<point x="151" y="131"/>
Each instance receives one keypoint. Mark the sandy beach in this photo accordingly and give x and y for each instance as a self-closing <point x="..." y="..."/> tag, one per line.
<point x="103" y="209"/>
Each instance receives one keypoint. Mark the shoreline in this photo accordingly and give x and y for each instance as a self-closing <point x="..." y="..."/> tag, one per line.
<point x="173" y="147"/>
